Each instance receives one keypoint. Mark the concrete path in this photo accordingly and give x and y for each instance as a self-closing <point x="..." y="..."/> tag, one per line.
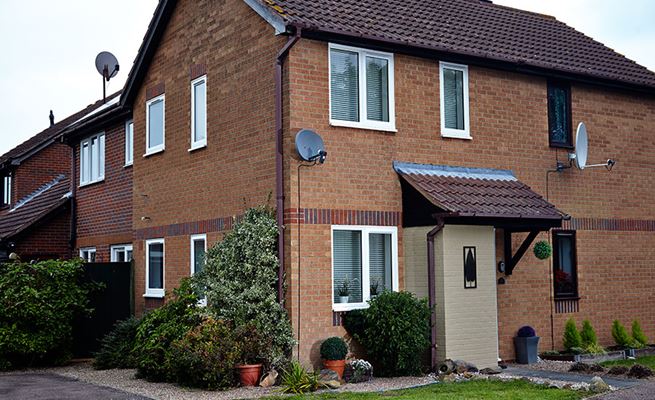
<point x="570" y="377"/>
<point x="40" y="386"/>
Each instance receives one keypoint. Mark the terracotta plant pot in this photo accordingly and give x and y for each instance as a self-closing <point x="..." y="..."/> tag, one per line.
<point x="335" y="365"/>
<point x="249" y="374"/>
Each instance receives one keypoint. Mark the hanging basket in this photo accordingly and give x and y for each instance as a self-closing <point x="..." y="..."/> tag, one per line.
<point x="542" y="250"/>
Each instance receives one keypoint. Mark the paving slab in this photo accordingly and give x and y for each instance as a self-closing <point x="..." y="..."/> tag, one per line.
<point x="570" y="377"/>
<point x="43" y="386"/>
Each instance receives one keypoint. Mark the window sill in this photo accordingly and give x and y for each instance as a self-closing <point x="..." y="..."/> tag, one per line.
<point x="364" y="125"/>
<point x="154" y="295"/>
<point x="557" y="298"/>
<point x="153" y="152"/>
<point x="197" y="147"/>
<point x="128" y="165"/>
<point x="456" y="135"/>
<point x="91" y="183"/>
<point x="340" y="307"/>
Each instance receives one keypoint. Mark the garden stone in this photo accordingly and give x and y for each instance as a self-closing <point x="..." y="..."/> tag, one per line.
<point x="464" y="366"/>
<point x="598" y="385"/>
<point x="491" y="371"/>
<point x="331" y="384"/>
<point x="328" y="375"/>
<point x="270" y="379"/>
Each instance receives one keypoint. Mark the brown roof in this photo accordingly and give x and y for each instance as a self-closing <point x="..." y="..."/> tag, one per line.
<point x="50" y="133"/>
<point x="477" y="192"/>
<point x="34" y="207"/>
<point x="473" y="28"/>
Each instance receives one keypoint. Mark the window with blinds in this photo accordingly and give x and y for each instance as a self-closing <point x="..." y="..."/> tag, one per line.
<point x="364" y="264"/>
<point x="361" y="88"/>
<point x="559" y="115"/>
<point x="453" y="85"/>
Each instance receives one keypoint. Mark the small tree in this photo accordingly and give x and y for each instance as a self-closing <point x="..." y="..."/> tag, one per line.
<point x="572" y="339"/>
<point x="620" y="334"/>
<point x="588" y="335"/>
<point x="638" y="334"/>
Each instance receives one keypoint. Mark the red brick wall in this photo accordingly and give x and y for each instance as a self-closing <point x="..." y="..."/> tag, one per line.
<point x="40" y="169"/>
<point x="46" y="239"/>
<point x="104" y="209"/>
<point x="236" y="169"/>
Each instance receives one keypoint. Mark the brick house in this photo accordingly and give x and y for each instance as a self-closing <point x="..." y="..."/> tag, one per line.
<point x="444" y="122"/>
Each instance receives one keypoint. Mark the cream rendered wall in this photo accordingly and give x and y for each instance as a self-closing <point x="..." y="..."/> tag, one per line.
<point x="467" y="326"/>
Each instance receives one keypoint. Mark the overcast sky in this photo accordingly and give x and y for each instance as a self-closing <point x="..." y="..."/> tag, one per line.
<point x="48" y="48"/>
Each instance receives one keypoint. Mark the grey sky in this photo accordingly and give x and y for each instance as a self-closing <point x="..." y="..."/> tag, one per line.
<point x="48" y="48"/>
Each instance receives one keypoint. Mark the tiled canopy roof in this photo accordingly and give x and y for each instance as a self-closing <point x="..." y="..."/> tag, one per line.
<point x="474" y="28"/>
<point x="34" y="207"/>
<point x="477" y="192"/>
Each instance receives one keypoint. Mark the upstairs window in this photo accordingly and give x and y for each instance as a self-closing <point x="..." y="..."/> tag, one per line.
<point x="361" y="88"/>
<point x="454" y="100"/>
<point x="565" y="264"/>
<point x="92" y="159"/>
<point x="6" y="190"/>
<point x="155" y="125"/>
<point x="559" y="115"/>
<point x="129" y="143"/>
<point x="199" y="113"/>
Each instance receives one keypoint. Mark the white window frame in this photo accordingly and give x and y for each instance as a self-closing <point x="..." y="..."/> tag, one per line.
<point x="365" y="230"/>
<point x="196" y="238"/>
<point x="89" y="251"/>
<point x="450" y="132"/>
<point x="6" y="191"/>
<point x="156" y="292"/>
<point x="364" y="122"/>
<point x="200" y="143"/>
<point x="87" y="158"/>
<point x="129" y="143"/>
<point x="120" y="247"/>
<point x="162" y="146"/>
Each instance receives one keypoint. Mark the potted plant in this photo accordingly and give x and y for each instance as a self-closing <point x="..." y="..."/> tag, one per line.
<point x="344" y="289"/>
<point x="333" y="353"/>
<point x="374" y="287"/>
<point x="526" y="344"/>
<point x="251" y="347"/>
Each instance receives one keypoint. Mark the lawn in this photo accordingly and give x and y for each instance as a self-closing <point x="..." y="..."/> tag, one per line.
<point x="472" y="390"/>
<point x="648" y="361"/>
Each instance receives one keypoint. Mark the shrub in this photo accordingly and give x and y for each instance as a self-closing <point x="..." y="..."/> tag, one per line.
<point x="620" y="334"/>
<point x="205" y="357"/>
<point x="526" y="331"/>
<point x="296" y="380"/>
<point x="396" y="333"/>
<point x="334" y="348"/>
<point x="354" y="323"/>
<point x="542" y="250"/>
<point x="38" y="303"/>
<point x="116" y="347"/>
<point x="160" y="328"/>
<point x="572" y="337"/>
<point x="588" y="335"/>
<point x="595" y="349"/>
<point x="638" y="334"/>
<point x="240" y="279"/>
<point x="252" y="345"/>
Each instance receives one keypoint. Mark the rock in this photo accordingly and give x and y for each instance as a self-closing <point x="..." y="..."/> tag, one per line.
<point x="462" y="366"/>
<point x="640" y="372"/>
<point x="328" y="375"/>
<point x="618" y="370"/>
<point x="580" y="367"/>
<point x="446" y="367"/>
<point x="598" y="385"/>
<point x="448" y="378"/>
<point x="331" y="384"/>
<point x="491" y="371"/>
<point x="269" y="379"/>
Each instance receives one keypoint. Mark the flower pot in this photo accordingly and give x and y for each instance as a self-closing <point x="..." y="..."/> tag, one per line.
<point x="249" y="374"/>
<point x="343" y="299"/>
<point x="526" y="349"/>
<point x="335" y="365"/>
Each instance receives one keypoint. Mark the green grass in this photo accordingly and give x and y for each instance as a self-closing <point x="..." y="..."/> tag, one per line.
<point x="472" y="390"/>
<point x="648" y="361"/>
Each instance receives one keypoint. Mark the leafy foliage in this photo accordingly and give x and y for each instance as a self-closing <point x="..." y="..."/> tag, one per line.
<point x="334" y="348"/>
<point x="205" y="357"/>
<point x="116" y="347"/>
<point x="38" y="303"/>
<point x="526" y="331"/>
<point x="354" y="322"/>
<point x="542" y="250"/>
<point x="296" y="380"/>
<point x="396" y="333"/>
<point x="252" y="344"/>
<point x="638" y="334"/>
<point x="620" y="334"/>
<point x="572" y="339"/>
<point x="240" y="277"/>
<point x="588" y="337"/>
<point x="160" y="328"/>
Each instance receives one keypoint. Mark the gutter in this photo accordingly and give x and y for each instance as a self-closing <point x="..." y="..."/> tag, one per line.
<point x="432" y="300"/>
<point x="279" y="159"/>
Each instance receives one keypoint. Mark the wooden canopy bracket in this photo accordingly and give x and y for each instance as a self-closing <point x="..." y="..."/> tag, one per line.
<point x="511" y="261"/>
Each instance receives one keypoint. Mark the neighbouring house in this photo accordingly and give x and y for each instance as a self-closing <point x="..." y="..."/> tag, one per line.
<point x="102" y="182"/>
<point x="444" y="122"/>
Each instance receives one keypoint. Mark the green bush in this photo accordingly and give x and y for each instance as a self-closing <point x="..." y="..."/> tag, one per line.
<point x="205" y="357"/>
<point x="296" y="380"/>
<point x="620" y="334"/>
<point x="116" y="347"/>
<point x="240" y="279"/>
<point x="588" y="335"/>
<point x="638" y="334"/>
<point x="572" y="337"/>
<point x="334" y="348"/>
<point x="38" y="303"/>
<point x="396" y="333"/>
<point x="354" y="322"/>
<point x="160" y="328"/>
<point x="252" y="344"/>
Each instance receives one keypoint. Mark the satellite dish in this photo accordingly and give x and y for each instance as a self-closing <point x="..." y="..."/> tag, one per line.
<point x="309" y="146"/>
<point x="107" y="65"/>
<point x="581" y="146"/>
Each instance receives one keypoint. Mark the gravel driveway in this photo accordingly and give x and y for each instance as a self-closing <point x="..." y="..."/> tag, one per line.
<point x="644" y="391"/>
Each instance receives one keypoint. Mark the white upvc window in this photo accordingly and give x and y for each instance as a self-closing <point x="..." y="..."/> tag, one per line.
<point x="198" y="250"/>
<point x="198" y="113"/>
<point x="88" y="254"/>
<point x="92" y="159"/>
<point x="155" y="270"/>
<point x="364" y="263"/>
<point x="6" y="190"/>
<point x="454" y="104"/>
<point x="155" y="124"/>
<point x="129" y="143"/>
<point x="361" y="88"/>
<point x="121" y="253"/>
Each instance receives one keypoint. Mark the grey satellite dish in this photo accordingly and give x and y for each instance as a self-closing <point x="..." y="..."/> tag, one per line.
<point x="310" y="147"/>
<point x="107" y="66"/>
<point x="581" y="146"/>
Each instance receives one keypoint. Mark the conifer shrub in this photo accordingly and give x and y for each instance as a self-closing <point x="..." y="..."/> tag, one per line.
<point x="620" y="334"/>
<point x="116" y="347"/>
<point x="638" y="334"/>
<point x="572" y="339"/>
<point x="588" y="335"/>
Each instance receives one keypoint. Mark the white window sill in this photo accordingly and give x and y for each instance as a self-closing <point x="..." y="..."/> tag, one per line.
<point x="128" y="165"/>
<point x="154" y="295"/>
<point x="455" y="134"/>
<point x="197" y="146"/>
<point x="154" y="151"/>
<point x="349" y="306"/>
<point x="386" y="127"/>
<point x="91" y="183"/>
